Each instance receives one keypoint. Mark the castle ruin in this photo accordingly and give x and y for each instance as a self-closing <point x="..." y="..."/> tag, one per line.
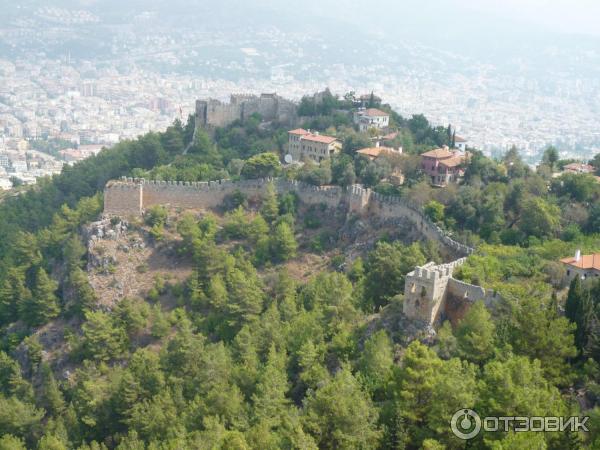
<point x="430" y="294"/>
<point x="271" y="107"/>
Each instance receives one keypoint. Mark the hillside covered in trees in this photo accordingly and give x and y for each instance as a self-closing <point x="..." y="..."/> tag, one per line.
<point x="283" y="328"/>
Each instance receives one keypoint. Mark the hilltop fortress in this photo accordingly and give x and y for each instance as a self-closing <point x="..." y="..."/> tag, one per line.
<point x="431" y="293"/>
<point x="271" y="107"/>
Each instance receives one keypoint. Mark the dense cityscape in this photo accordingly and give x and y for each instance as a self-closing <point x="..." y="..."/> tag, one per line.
<point x="145" y="81"/>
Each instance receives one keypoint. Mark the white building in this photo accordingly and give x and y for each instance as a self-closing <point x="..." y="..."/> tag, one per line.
<point x="19" y="166"/>
<point x="4" y="161"/>
<point x="460" y="143"/>
<point x="371" y="118"/>
<point x="5" y="184"/>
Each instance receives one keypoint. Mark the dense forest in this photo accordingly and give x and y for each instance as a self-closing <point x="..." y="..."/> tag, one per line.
<point x="245" y="353"/>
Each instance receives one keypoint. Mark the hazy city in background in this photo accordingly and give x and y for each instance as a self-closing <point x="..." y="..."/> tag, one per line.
<point x="80" y="74"/>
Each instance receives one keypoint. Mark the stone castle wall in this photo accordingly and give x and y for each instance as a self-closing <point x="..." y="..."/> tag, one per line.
<point x="470" y="292"/>
<point x="461" y="296"/>
<point x="121" y="197"/>
<point x="134" y="195"/>
<point x="430" y="291"/>
<point x="191" y="195"/>
<point x="389" y="207"/>
<point x="214" y="113"/>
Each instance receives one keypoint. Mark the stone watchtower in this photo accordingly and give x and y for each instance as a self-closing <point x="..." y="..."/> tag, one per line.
<point x="124" y="196"/>
<point x="425" y="291"/>
<point x="201" y="113"/>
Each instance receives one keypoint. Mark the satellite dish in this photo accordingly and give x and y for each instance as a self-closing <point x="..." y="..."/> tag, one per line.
<point x="288" y="158"/>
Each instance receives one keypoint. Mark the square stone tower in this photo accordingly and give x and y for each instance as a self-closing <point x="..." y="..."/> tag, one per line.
<point x="426" y="289"/>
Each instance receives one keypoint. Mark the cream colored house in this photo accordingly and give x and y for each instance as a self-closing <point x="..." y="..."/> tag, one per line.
<point x="303" y="144"/>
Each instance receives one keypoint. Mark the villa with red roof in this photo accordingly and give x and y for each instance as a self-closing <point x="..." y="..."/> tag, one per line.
<point x="375" y="152"/>
<point x="302" y="145"/>
<point x="578" y="167"/>
<point x="443" y="166"/>
<point x="583" y="266"/>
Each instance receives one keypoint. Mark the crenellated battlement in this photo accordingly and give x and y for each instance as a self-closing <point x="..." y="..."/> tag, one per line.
<point x="426" y="287"/>
<point x="122" y="196"/>
<point x="214" y="113"/>
<point x="431" y="293"/>
<point x="118" y="194"/>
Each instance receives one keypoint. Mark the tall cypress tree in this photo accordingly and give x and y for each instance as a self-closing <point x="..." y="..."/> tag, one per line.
<point x="82" y="295"/>
<point x="371" y="100"/>
<point x="573" y="299"/>
<point x="283" y="242"/>
<point x="584" y="321"/>
<point x="579" y="309"/>
<point x="592" y="348"/>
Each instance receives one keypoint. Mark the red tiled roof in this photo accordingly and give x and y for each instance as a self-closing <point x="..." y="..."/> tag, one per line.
<point x="585" y="261"/>
<point x="319" y="138"/>
<point x="454" y="161"/>
<point x="373" y="112"/>
<point x="579" y="167"/>
<point x="308" y="136"/>
<point x="391" y="136"/>
<point x="298" y="131"/>
<point x="374" y="152"/>
<point x="438" y="153"/>
<point x="459" y="139"/>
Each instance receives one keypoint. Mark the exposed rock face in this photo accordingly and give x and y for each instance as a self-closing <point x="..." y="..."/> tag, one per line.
<point x="403" y="329"/>
<point x="123" y="261"/>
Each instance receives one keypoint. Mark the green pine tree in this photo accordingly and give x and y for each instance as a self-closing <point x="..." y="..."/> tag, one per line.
<point x="283" y="242"/>
<point x="83" y="296"/>
<point x="43" y="305"/>
<point x="50" y="397"/>
<point x="475" y="334"/>
<point x="270" y="206"/>
<point x="102" y="338"/>
<point x="13" y="292"/>
<point x="269" y="400"/>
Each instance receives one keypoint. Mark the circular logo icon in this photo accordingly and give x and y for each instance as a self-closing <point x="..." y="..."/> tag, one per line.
<point x="465" y="424"/>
